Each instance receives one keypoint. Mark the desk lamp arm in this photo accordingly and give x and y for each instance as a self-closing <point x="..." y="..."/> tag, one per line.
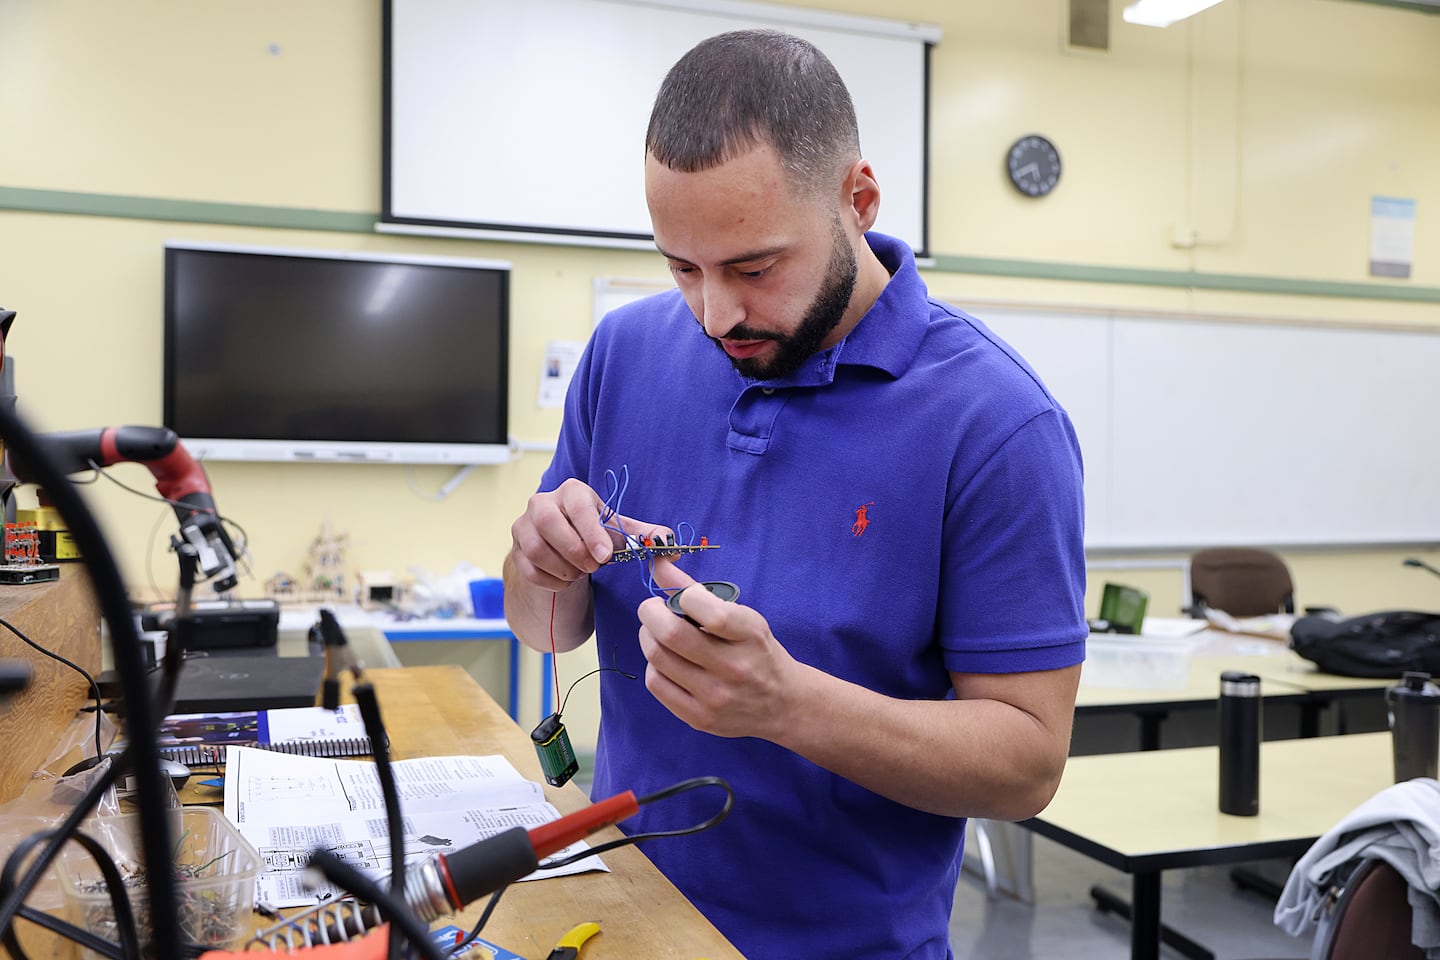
<point x="178" y="479"/>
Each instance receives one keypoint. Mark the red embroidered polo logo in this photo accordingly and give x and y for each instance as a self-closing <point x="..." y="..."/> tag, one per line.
<point x="862" y="518"/>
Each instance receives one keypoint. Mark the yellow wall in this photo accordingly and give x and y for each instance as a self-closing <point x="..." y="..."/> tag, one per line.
<point x="1265" y="126"/>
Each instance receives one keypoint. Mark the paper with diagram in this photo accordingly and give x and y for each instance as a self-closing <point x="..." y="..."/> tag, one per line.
<point x="288" y="806"/>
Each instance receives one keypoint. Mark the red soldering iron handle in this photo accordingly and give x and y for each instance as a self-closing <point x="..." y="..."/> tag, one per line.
<point x="482" y="868"/>
<point x="559" y="834"/>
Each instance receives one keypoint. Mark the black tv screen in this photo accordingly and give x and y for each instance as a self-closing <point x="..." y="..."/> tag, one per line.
<point x="306" y="355"/>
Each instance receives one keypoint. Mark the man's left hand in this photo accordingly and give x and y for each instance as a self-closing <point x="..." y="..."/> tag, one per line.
<point x="728" y="677"/>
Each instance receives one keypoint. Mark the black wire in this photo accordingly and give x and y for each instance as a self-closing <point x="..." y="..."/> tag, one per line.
<point x="109" y="589"/>
<point x="480" y="924"/>
<point x="124" y="916"/>
<point x="244" y="537"/>
<point x="394" y="909"/>
<point x="56" y="839"/>
<point x="94" y="687"/>
<point x="162" y="697"/>
<point x="364" y="695"/>
<point x="694" y="783"/>
<point x="571" y="689"/>
<point x="683" y="786"/>
<point x="81" y="936"/>
<point x="151" y="496"/>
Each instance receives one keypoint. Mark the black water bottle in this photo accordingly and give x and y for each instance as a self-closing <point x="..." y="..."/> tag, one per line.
<point x="1414" y="708"/>
<point x="1239" y="743"/>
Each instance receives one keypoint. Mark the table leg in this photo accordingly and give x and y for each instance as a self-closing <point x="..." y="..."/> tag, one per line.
<point x="1310" y="717"/>
<point x="1145" y="917"/>
<point x="1150" y="728"/>
<point x="1146" y="930"/>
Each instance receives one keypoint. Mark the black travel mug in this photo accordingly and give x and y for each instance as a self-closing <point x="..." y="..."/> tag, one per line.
<point x="1414" y="707"/>
<point x="1239" y="743"/>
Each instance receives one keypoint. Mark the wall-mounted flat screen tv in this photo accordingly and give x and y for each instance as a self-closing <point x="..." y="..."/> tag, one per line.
<point x="298" y="355"/>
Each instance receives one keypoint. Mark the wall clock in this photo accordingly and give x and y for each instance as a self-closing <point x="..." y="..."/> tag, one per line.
<point x="1033" y="164"/>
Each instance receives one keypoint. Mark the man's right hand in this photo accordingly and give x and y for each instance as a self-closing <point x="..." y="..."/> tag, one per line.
<point x="559" y="539"/>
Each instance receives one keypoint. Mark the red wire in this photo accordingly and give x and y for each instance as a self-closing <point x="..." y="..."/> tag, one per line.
<point x="554" y="660"/>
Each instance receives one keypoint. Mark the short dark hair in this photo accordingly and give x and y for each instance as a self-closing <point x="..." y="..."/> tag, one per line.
<point x="737" y="90"/>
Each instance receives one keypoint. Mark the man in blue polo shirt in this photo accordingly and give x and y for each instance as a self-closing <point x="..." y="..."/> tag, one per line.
<point x="893" y="490"/>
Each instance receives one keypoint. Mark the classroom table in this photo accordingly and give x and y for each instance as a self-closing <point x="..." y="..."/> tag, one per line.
<point x="1144" y="813"/>
<point x="469" y="628"/>
<point x="1186" y="674"/>
<point x="373" y="633"/>
<point x="1195" y="685"/>
<point x="1166" y="675"/>
<point x="1320" y="690"/>
<point x="442" y="711"/>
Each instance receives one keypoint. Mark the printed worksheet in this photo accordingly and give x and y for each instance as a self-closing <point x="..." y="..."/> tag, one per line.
<point x="289" y="806"/>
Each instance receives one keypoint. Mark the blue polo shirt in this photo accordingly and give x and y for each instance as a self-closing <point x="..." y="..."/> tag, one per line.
<point x="905" y="504"/>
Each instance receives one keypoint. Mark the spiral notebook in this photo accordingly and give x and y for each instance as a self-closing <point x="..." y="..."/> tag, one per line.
<point x="201" y="738"/>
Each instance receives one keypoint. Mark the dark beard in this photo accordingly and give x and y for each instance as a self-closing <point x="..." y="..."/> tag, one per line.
<point x="824" y="315"/>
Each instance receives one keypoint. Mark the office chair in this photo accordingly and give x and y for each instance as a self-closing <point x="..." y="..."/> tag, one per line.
<point x="1371" y="918"/>
<point x="1242" y="581"/>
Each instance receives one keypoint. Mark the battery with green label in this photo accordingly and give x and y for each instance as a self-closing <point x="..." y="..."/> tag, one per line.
<point x="552" y="746"/>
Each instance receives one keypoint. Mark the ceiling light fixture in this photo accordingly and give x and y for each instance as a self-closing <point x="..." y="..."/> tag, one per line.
<point x="1162" y="13"/>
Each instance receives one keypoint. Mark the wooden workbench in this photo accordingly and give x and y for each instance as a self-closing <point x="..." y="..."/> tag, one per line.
<point x="63" y="617"/>
<point x="442" y="711"/>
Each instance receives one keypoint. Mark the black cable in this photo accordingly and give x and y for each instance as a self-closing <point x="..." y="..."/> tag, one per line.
<point x="571" y="689"/>
<point x="241" y="549"/>
<point x="124" y="915"/>
<point x="22" y="887"/>
<point x="70" y="932"/>
<point x="474" y="933"/>
<point x="182" y="628"/>
<point x="683" y="786"/>
<point x="551" y="864"/>
<point x="393" y="908"/>
<point x="94" y="687"/>
<point x="109" y="589"/>
<point x="369" y="704"/>
<point x="160" y="517"/>
<point x="244" y="537"/>
<point x="87" y="481"/>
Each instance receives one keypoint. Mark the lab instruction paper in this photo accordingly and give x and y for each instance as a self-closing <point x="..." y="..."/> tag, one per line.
<point x="289" y="806"/>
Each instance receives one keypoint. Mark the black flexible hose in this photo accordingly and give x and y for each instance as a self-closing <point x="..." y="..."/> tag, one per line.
<point x="122" y="913"/>
<point x="391" y="906"/>
<point x="364" y="695"/>
<point x="156" y="842"/>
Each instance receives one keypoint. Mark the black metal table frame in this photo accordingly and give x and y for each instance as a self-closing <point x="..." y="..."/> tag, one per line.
<point x="1145" y="871"/>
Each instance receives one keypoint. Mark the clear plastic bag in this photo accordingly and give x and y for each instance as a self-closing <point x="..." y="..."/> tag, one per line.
<point x="46" y="801"/>
<point x="444" y="595"/>
<point x="53" y="793"/>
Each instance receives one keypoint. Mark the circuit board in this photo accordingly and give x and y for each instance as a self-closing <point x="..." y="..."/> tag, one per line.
<point x="642" y="551"/>
<point x="11" y="573"/>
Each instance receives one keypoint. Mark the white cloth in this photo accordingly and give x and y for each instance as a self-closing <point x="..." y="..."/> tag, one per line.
<point x="1400" y="825"/>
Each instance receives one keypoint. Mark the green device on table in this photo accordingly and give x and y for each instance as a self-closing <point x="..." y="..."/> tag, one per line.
<point x="1122" y="608"/>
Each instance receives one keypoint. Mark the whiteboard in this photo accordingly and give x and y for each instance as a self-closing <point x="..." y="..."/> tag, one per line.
<point x="1209" y="431"/>
<point x="530" y="117"/>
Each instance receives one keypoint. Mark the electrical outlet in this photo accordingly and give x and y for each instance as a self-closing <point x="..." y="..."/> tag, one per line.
<point x="1183" y="236"/>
